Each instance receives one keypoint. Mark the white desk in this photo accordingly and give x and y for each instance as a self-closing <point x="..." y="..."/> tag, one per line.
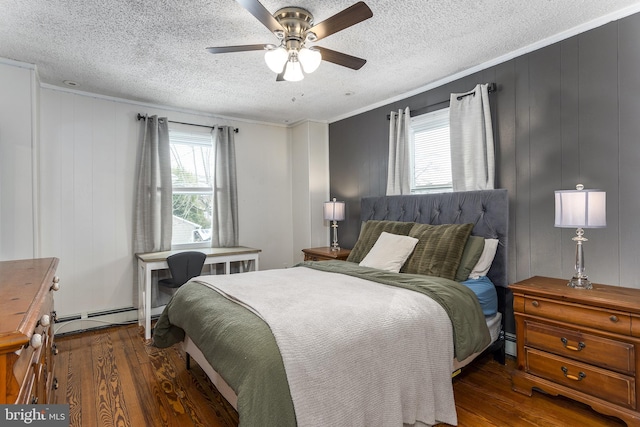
<point x="152" y="261"/>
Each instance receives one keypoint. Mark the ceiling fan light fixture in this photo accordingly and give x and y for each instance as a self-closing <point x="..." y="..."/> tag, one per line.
<point x="276" y="58"/>
<point x="294" y="26"/>
<point x="293" y="71"/>
<point x="310" y="59"/>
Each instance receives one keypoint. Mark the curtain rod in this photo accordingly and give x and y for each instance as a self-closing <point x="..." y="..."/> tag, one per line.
<point x="492" y="88"/>
<point x="142" y="116"/>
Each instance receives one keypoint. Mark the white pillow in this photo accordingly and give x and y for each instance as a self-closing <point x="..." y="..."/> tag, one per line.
<point x="486" y="259"/>
<point x="389" y="252"/>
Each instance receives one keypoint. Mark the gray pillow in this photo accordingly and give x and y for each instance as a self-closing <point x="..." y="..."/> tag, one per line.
<point x="371" y="231"/>
<point x="470" y="256"/>
<point x="439" y="249"/>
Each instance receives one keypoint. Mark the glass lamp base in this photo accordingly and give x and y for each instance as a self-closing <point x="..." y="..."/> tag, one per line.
<point x="580" y="283"/>
<point x="579" y="279"/>
<point x="334" y="245"/>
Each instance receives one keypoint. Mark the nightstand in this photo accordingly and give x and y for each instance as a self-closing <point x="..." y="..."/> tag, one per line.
<point x="325" y="254"/>
<point x="582" y="344"/>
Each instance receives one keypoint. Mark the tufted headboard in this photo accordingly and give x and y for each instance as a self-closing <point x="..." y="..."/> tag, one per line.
<point x="488" y="210"/>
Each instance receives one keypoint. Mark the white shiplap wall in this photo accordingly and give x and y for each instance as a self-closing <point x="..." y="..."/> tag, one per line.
<point x="88" y="160"/>
<point x="310" y="171"/>
<point x="18" y="112"/>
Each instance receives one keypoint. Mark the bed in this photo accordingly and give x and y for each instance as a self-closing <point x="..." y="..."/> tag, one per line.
<point x="358" y="366"/>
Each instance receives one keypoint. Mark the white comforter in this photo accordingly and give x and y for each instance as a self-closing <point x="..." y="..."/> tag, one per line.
<point x="356" y="353"/>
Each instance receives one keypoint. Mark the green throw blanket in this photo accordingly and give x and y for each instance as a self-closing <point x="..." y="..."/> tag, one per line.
<point x="242" y="349"/>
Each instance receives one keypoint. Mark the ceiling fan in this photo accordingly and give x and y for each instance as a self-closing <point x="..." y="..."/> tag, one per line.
<point x="294" y="28"/>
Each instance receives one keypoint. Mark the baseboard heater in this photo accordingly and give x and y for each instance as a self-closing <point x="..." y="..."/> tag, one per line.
<point x="95" y="320"/>
<point x="510" y="344"/>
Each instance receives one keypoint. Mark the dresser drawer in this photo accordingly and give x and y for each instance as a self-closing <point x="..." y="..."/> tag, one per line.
<point x="596" y="318"/>
<point x="31" y="361"/>
<point x="603" y="352"/>
<point x="35" y="363"/>
<point x="613" y="387"/>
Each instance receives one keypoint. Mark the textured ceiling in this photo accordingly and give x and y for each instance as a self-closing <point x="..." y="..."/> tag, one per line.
<point x="153" y="51"/>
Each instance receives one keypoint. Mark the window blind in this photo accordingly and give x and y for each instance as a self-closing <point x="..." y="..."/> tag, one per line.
<point x="430" y="152"/>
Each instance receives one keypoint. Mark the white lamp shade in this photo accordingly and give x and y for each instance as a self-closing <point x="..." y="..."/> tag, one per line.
<point x="334" y="211"/>
<point x="293" y="72"/>
<point x="310" y="59"/>
<point x="276" y="59"/>
<point x="581" y="209"/>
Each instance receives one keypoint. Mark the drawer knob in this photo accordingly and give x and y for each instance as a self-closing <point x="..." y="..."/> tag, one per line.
<point x="54" y="349"/>
<point x="580" y="346"/>
<point x="55" y="383"/>
<point x="580" y="376"/>
<point x="614" y="318"/>
<point x="36" y="340"/>
<point x="45" y="320"/>
<point x="535" y="303"/>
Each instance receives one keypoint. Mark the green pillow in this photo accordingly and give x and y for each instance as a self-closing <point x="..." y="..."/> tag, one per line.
<point x="470" y="256"/>
<point x="439" y="249"/>
<point x="369" y="234"/>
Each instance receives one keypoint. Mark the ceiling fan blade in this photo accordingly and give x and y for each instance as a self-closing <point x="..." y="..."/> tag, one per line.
<point x="280" y="77"/>
<point x="241" y="48"/>
<point x="339" y="58"/>
<point x="341" y="20"/>
<point x="262" y="14"/>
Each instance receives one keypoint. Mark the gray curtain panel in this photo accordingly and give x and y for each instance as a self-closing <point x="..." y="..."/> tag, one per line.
<point x="472" y="150"/>
<point x="153" y="204"/>
<point x="224" y="223"/>
<point x="399" y="171"/>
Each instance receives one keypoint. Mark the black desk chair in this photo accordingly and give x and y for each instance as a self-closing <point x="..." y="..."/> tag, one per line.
<point x="183" y="266"/>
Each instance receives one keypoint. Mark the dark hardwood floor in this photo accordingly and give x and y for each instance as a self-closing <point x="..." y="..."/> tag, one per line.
<point x="112" y="377"/>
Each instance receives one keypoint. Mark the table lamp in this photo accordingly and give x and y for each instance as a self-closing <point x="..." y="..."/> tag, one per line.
<point x="334" y="211"/>
<point x="580" y="209"/>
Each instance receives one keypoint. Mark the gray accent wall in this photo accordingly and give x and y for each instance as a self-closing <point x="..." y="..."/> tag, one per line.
<point x="565" y="114"/>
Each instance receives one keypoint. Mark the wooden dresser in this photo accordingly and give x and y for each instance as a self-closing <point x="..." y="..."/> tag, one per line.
<point x="583" y="344"/>
<point x="325" y="254"/>
<point x="27" y="316"/>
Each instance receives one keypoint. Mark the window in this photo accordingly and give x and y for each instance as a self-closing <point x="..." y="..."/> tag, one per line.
<point x="430" y="152"/>
<point x="192" y="180"/>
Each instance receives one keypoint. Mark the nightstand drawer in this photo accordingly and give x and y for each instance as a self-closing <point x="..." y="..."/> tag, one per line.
<point x="610" y="386"/>
<point x="603" y="352"/>
<point x="579" y="315"/>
